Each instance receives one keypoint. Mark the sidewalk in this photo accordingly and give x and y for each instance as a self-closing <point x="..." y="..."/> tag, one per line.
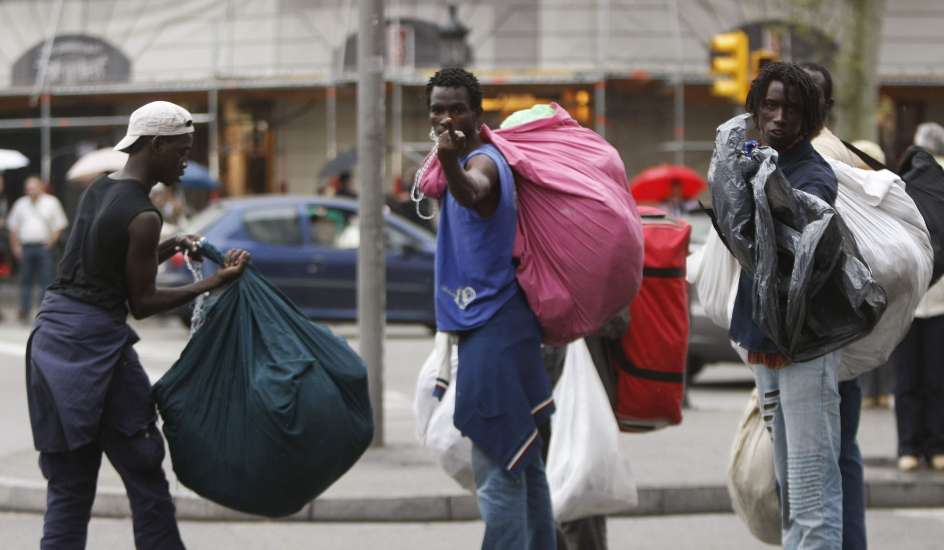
<point x="680" y="470"/>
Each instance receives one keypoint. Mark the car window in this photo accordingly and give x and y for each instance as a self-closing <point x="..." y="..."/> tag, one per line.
<point x="338" y="228"/>
<point x="332" y="227"/>
<point x="280" y="226"/>
<point x="395" y="240"/>
<point x="199" y="224"/>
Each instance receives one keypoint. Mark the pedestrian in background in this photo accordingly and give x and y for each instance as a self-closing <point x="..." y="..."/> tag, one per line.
<point x="799" y="401"/>
<point x="503" y="394"/>
<point x="918" y="359"/>
<point x="36" y="221"/>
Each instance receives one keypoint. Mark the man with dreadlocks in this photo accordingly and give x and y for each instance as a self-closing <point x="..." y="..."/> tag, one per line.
<point x="800" y="401"/>
<point x="502" y="394"/>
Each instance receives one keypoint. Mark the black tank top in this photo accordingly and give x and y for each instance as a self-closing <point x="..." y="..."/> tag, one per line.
<point x="92" y="269"/>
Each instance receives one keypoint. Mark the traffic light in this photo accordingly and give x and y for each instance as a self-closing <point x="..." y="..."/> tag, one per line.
<point x="761" y="57"/>
<point x="730" y="61"/>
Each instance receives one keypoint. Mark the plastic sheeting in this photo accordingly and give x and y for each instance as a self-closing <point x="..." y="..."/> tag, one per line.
<point x="813" y="292"/>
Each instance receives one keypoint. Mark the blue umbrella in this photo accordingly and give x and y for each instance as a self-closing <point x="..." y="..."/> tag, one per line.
<point x="196" y="176"/>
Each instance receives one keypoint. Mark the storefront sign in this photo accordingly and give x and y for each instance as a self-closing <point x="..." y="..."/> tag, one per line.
<point x="75" y="59"/>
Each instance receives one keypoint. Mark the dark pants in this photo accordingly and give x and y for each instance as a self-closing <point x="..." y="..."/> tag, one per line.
<point x="35" y="267"/>
<point x="919" y="388"/>
<point x="72" y="478"/>
<point x="850" y="466"/>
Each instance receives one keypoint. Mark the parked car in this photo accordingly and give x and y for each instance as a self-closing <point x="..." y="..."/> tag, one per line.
<point x="307" y="247"/>
<point x="707" y="342"/>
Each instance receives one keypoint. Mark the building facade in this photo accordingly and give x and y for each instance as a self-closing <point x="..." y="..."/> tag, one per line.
<point x="272" y="82"/>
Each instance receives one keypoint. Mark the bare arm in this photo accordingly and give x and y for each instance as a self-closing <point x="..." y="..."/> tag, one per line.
<point x="15" y="244"/>
<point x="473" y="186"/>
<point x="144" y="298"/>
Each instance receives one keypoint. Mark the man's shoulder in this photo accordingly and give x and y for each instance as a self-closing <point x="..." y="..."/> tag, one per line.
<point x="819" y="166"/>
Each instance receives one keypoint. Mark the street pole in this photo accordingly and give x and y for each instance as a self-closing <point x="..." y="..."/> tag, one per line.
<point x="857" y="69"/>
<point x="679" y="90"/>
<point x="213" y="109"/>
<point x="602" y="47"/>
<point x="371" y="299"/>
<point x="45" y="138"/>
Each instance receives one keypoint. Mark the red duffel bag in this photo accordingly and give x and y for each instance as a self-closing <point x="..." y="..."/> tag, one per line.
<point x="651" y="369"/>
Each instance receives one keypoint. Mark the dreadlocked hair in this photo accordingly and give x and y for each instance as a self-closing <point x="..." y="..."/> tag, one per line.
<point x="457" y="78"/>
<point x="796" y="81"/>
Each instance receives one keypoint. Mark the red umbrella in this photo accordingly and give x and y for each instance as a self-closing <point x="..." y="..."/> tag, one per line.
<point x="656" y="184"/>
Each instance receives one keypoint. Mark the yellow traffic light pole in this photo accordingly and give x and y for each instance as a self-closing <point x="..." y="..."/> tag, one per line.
<point x="732" y="64"/>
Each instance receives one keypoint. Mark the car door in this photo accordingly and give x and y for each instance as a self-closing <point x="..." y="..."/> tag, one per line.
<point x="273" y="235"/>
<point x="409" y="276"/>
<point x="331" y="241"/>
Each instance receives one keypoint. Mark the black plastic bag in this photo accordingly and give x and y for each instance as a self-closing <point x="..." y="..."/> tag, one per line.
<point x="813" y="293"/>
<point x="264" y="410"/>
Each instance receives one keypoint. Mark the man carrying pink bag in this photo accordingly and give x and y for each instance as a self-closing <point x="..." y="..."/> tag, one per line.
<point x="539" y="239"/>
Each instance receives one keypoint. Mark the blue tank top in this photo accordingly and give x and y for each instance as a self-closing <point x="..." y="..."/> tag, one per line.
<point x="475" y="275"/>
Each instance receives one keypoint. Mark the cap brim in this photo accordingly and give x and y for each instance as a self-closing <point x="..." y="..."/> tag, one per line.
<point x="125" y="142"/>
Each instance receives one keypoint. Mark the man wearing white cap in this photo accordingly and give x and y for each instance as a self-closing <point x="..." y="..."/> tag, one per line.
<point x="87" y="392"/>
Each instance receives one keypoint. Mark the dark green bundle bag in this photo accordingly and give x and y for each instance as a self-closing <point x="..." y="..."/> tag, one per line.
<point x="264" y="409"/>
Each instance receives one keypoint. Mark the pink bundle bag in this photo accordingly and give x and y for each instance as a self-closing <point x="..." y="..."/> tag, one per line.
<point x="579" y="238"/>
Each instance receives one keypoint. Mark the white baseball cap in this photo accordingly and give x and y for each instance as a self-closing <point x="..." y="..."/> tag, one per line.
<point x="158" y="118"/>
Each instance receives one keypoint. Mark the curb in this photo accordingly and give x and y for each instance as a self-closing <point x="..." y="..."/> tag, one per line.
<point x="30" y="497"/>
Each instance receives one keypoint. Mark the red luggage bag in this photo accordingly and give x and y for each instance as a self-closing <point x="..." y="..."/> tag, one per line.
<point x="651" y="369"/>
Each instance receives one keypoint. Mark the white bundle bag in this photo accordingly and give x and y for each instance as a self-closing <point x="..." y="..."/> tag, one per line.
<point x="894" y="242"/>
<point x="714" y="272"/>
<point x="434" y="426"/>
<point x="893" y="239"/>
<point x="586" y="473"/>
<point x="752" y="481"/>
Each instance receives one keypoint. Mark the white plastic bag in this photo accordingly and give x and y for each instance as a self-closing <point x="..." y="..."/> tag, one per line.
<point x="752" y="482"/>
<point x="894" y="242"/>
<point x="585" y="471"/>
<point x="714" y="272"/>
<point x="434" y="425"/>
<point x="424" y="402"/>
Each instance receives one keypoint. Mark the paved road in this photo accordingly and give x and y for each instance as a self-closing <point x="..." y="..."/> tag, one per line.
<point x="901" y="530"/>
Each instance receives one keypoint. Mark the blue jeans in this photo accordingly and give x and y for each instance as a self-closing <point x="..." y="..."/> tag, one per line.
<point x="850" y="465"/>
<point x="35" y="266"/>
<point x="516" y="506"/>
<point x="800" y="404"/>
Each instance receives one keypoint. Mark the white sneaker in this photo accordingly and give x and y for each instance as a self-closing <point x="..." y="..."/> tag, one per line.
<point x="909" y="463"/>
